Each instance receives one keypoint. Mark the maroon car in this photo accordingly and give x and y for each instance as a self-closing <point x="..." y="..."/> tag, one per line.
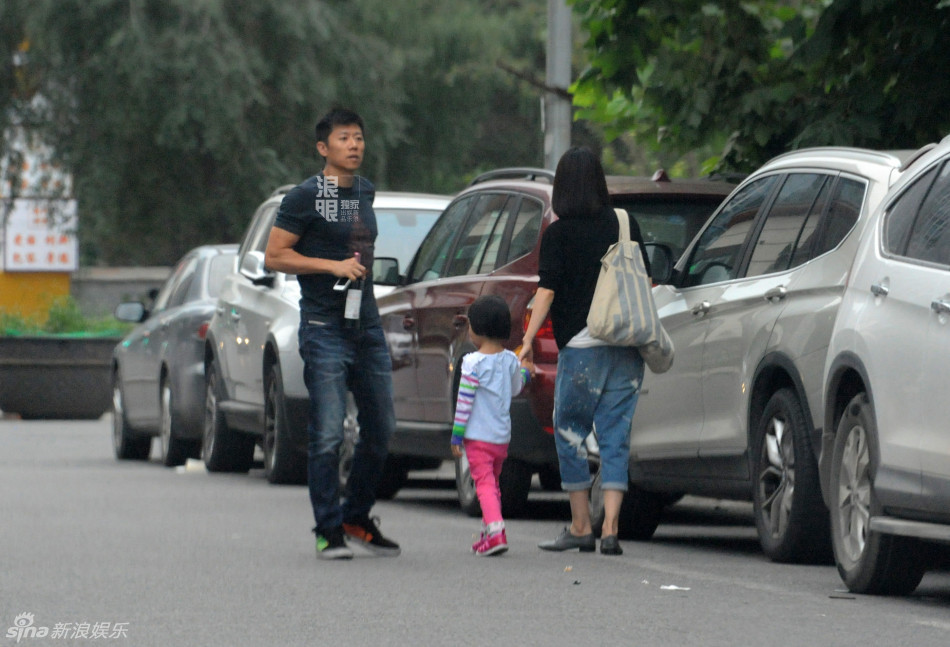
<point x="487" y="242"/>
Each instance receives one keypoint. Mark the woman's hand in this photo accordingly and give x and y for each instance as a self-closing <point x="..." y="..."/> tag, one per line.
<point x="457" y="451"/>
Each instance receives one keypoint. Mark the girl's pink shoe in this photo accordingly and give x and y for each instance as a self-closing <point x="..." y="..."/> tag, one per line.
<point x="493" y="544"/>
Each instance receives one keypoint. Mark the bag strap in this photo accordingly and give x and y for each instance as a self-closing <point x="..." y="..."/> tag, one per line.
<point x="624" y="221"/>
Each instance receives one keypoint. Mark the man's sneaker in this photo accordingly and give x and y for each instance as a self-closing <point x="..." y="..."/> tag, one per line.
<point x="494" y="544"/>
<point x="366" y="531"/>
<point x="332" y="545"/>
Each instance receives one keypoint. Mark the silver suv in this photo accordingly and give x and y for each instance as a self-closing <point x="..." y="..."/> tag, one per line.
<point x="885" y="460"/>
<point x="255" y="394"/>
<point x="750" y="308"/>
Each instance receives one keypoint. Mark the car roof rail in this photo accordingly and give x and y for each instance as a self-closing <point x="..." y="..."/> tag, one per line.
<point x="515" y="173"/>
<point x="281" y="190"/>
<point x="916" y="156"/>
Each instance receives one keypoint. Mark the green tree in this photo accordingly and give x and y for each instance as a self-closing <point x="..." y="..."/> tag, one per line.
<point x="756" y="79"/>
<point x="176" y="117"/>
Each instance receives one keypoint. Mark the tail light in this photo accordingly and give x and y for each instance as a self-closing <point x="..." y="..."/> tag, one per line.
<point x="203" y="330"/>
<point x="544" y="348"/>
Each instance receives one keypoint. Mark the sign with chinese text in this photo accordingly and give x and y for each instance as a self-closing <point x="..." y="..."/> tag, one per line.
<point x="40" y="236"/>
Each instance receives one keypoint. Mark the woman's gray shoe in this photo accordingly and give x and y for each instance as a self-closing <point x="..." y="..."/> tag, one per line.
<point x="610" y="546"/>
<point x="567" y="541"/>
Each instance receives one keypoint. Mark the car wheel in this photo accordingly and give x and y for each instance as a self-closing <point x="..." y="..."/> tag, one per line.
<point x="640" y="511"/>
<point x="868" y="561"/>
<point x="351" y="434"/>
<point x="283" y="463"/>
<point x="465" y="486"/>
<point x="127" y="444"/>
<point x="790" y="516"/>
<point x="174" y="450"/>
<point x="514" y="483"/>
<point x="394" y="478"/>
<point x="223" y="450"/>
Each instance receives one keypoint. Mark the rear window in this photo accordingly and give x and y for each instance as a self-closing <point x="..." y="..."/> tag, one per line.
<point x="670" y="220"/>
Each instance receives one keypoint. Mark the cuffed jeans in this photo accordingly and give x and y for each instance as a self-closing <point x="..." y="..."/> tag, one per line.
<point x="598" y="388"/>
<point x="337" y="360"/>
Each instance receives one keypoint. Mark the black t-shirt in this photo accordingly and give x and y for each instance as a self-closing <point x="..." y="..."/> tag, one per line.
<point x="569" y="265"/>
<point x="333" y="222"/>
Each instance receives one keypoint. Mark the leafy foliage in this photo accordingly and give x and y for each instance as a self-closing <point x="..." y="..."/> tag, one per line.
<point x="767" y="76"/>
<point x="177" y="117"/>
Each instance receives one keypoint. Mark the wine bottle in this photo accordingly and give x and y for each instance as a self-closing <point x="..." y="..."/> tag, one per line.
<point x="354" y="299"/>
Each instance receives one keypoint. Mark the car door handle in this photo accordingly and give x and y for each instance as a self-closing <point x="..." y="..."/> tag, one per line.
<point x="459" y="321"/>
<point x="940" y="306"/>
<point x="701" y="308"/>
<point x="879" y="290"/>
<point x="408" y="323"/>
<point x="776" y="294"/>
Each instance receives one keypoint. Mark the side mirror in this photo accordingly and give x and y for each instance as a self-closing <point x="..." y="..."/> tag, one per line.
<point x="131" y="311"/>
<point x="661" y="262"/>
<point x="252" y="267"/>
<point x="385" y="271"/>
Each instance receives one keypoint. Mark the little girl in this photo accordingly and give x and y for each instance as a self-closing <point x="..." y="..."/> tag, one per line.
<point x="491" y="376"/>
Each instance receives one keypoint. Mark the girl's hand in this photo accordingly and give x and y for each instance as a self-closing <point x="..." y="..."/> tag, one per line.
<point x="528" y="364"/>
<point x="457" y="451"/>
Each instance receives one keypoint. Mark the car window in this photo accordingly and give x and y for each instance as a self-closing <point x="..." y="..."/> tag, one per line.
<point x="716" y="255"/>
<point x="433" y="253"/>
<point x="220" y="266"/>
<point x="524" y="234"/>
<point x="481" y="234"/>
<point x="843" y="210"/>
<point x="672" y="221"/>
<point x="795" y="204"/>
<point x="900" y="215"/>
<point x="171" y="284"/>
<point x="400" y="231"/>
<point x="186" y="277"/>
<point x="930" y="237"/>
<point x="258" y="238"/>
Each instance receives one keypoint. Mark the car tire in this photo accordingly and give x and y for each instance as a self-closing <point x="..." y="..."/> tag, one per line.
<point x="640" y="512"/>
<point x="283" y="463"/>
<point x="790" y="516"/>
<point x="868" y="561"/>
<point x="175" y="451"/>
<point x="222" y="449"/>
<point x="465" y="487"/>
<point x="515" y="483"/>
<point x="128" y="445"/>
<point x="394" y="478"/>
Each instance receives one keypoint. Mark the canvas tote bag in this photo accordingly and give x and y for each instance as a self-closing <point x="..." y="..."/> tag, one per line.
<point x="623" y="312"/>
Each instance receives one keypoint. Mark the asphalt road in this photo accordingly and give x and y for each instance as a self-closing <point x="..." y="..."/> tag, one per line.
<point x="138" y="554"/>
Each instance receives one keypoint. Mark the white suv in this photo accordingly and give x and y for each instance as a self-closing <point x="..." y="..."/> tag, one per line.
<point x="750" y="308"/>
<point x="885" y="461"/>
<point x="255" y="393"/>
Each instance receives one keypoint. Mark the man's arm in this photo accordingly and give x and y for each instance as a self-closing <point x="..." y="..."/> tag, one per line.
<point x="281" y="256"/>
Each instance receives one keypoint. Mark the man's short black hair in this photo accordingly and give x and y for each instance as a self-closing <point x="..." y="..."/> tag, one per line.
<point x="337" y="117"/>
<point x="489" y="317"/>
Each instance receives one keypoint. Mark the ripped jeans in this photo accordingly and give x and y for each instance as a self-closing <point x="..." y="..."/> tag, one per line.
<point x="597" y="388"/>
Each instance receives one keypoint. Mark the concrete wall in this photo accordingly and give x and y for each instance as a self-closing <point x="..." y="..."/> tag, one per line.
<point x="99" y="289"/>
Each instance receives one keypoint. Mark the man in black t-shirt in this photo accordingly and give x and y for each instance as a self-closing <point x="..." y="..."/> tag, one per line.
<point x="325" y="232"/>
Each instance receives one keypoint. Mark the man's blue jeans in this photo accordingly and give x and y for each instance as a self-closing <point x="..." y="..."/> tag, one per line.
<point x="337" y="360"/>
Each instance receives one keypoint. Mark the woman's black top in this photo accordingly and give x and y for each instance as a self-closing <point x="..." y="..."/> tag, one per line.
<point x="569" y="265"/>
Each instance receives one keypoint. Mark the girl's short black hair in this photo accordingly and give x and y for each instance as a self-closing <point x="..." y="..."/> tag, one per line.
<point x="580" y="187"/>
<point x="489" y="317"/>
